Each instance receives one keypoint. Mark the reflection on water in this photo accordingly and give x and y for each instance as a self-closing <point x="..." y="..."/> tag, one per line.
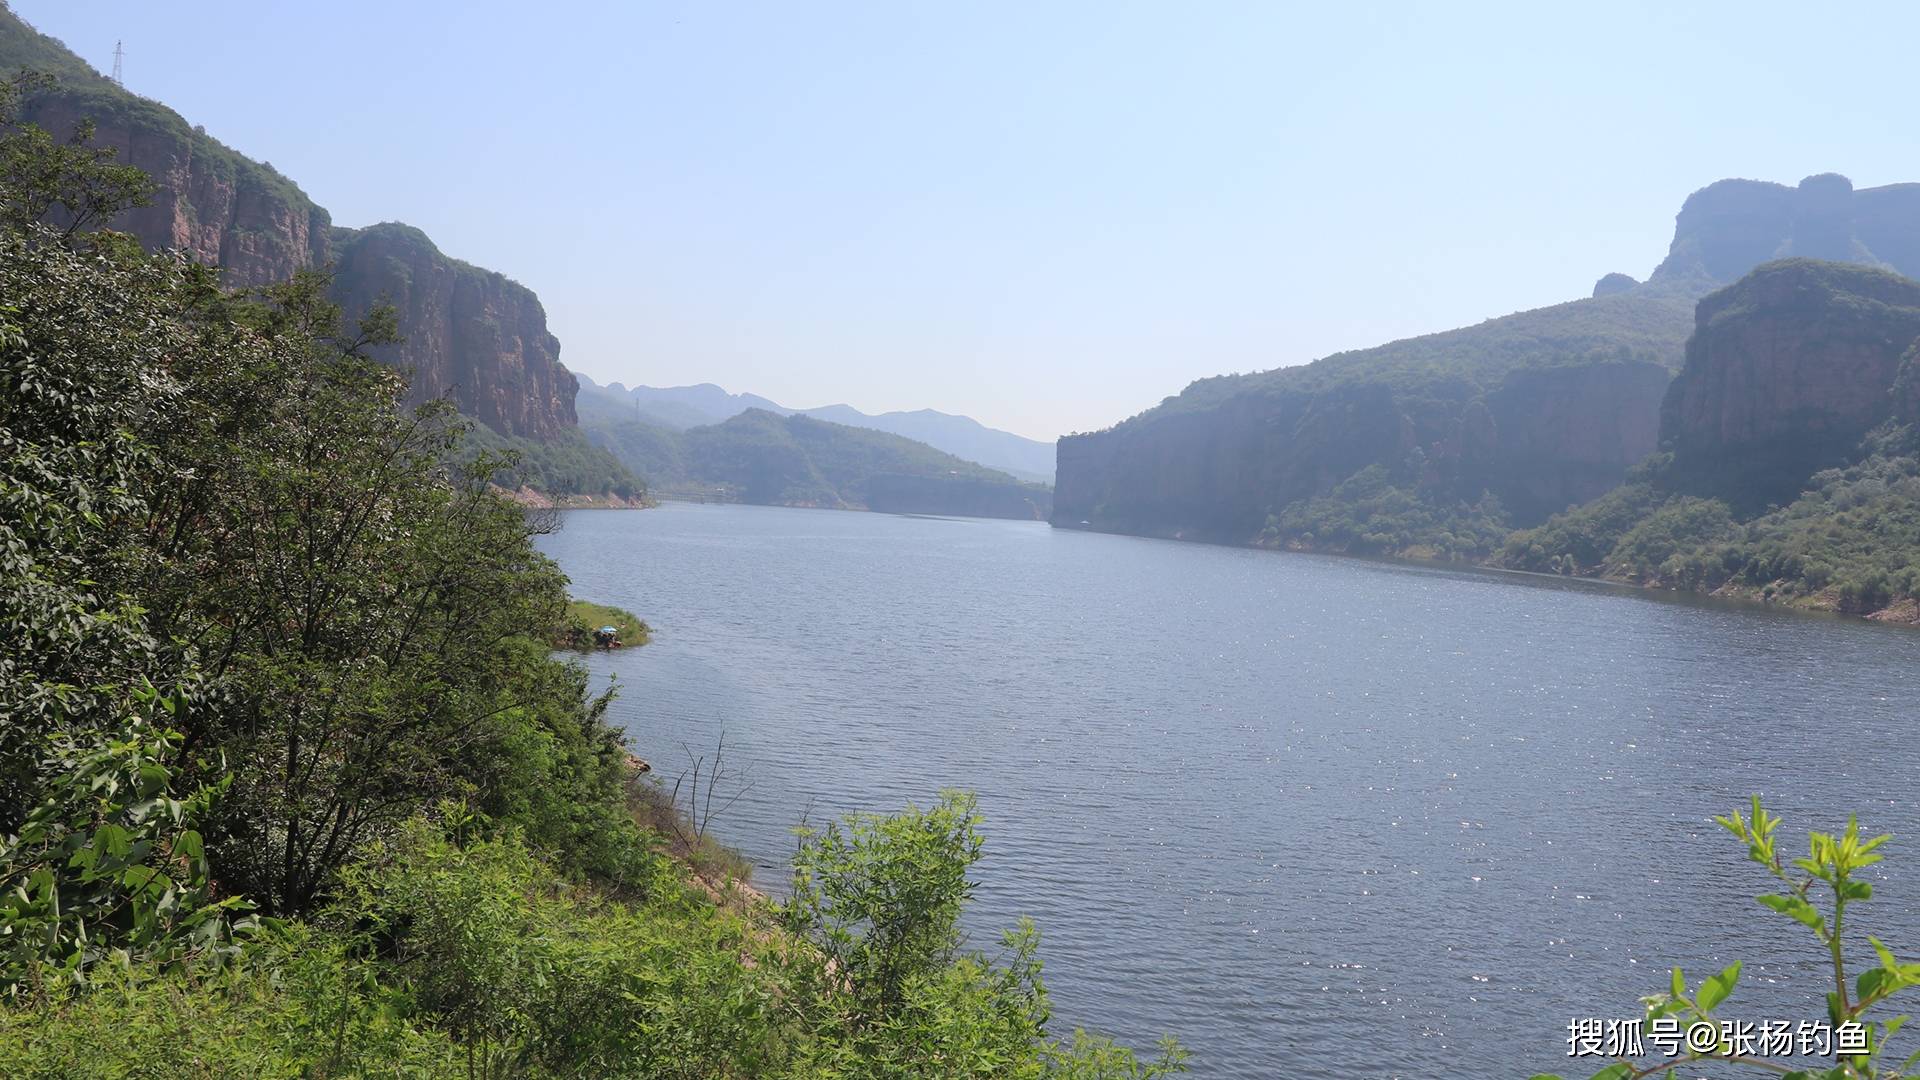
<point x="1289" y="808"/>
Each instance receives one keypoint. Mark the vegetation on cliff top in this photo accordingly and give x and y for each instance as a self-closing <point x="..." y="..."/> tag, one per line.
<point x="248" y="215"/>
<point x="91" y="94"/>
<point x="1650" y="321"/>
<point x="270" y="650"/>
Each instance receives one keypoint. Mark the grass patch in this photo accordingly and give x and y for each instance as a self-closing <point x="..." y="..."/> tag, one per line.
<point x="584" y="617"/>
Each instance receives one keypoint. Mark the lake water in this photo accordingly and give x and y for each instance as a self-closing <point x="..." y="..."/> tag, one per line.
<point x="1317" y="817"/>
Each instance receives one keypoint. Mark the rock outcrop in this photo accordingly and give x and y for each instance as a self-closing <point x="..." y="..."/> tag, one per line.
<point x="1563" y="435"/>
<point x="1785" y="373"/>
<point x="1539" y="439"/>
<point x="1727" y="228"/>
<point x="470" y="334"/>
<point x="1613" y="284"/>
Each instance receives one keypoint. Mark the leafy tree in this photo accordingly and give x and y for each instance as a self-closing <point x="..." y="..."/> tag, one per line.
<point x="98" y="857"/>
<point x="882" y="896"/>
<point x="108" y="867"/>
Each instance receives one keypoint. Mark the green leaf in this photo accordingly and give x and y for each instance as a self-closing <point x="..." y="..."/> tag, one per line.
<point x="113" y="840"/>
<point x="1874" y="981"/>
<point x="1887" y="959"/>
<point x="1796" y="909"/>
<point x="1716" y="988"/>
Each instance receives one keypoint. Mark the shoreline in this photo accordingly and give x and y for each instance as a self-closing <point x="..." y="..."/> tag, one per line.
<point x="1903" y="613"/>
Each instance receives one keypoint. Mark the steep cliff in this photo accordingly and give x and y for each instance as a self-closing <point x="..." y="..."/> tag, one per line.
<point x="1786" y="372"/>
<point x="469" y="332"/>
<point x="1541" y="409"/>
<point x="208" y="201"/>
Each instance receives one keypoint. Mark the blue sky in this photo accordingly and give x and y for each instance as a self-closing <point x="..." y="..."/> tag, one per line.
<point x="1045" y="215"/>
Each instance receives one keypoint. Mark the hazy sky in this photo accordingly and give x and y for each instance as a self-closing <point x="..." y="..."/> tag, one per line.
<point x="1045" y="215"/>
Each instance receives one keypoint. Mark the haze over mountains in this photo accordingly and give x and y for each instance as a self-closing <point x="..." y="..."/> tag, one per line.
<point x="683" y="407"/>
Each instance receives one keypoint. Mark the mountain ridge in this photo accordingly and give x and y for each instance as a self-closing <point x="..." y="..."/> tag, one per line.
<point x="765" y="458"/>
<point x="683" y="407"/>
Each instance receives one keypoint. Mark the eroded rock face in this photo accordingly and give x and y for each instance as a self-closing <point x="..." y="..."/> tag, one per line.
<point x="470" y="334"/>
<point x="1564" y="435"/>
<point x="1519" y="405"/>
<point x="236" y="214"/>
<point x="1785" y="372"/>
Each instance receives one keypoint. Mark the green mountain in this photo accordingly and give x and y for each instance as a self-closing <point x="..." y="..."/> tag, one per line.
<point x="765" y="458"/>
<point x="1435" y="444"/>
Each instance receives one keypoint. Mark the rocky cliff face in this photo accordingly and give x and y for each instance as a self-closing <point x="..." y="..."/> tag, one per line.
<point x="1564" y="435"/>
<point x="208" y="201"/>
<point x="470" y="334"/>
<point x="1785" y="372"/>
<point x="1540" y="440"/>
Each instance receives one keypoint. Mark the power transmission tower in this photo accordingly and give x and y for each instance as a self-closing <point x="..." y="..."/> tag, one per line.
<point x="119" y="58"/>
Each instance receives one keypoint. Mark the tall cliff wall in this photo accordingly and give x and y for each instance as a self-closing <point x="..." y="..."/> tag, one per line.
<point x="1786" y="371"/>
<point x="208" y="201"/>
<point x="1539" y="408"/>
<point x="1539" y="439"/>
<point x="469" y="333"/>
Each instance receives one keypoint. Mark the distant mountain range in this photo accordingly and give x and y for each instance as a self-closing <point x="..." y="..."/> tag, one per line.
<point x="766" y="458"/>
<point x="683" y="407"/>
